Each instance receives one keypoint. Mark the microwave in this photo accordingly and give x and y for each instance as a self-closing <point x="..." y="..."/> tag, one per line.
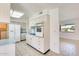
<point x="39" y="31"/>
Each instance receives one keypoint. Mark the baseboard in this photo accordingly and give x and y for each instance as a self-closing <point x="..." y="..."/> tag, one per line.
<point x="38" y="50"/>
<point x="23" y="40"/>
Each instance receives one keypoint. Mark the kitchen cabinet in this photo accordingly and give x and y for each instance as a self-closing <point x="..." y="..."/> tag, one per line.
<point x="3" y="26"/>
<point x="40" y="40"/>
<point x="37" y="43"/>
<point x="3" y="30"/>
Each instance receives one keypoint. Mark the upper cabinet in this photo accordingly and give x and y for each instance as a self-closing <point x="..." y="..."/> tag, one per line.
<point x="3" y="26"/>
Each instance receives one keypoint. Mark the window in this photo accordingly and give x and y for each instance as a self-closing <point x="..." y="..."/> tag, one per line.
<point x="16" y="14"/>
<point x="68" y="28"/>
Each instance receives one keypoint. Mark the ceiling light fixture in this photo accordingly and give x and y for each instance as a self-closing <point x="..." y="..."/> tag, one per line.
<point x="16" y="14"/>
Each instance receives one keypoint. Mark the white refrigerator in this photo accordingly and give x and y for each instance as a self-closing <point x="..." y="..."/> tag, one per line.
<point x="14" y="32"/>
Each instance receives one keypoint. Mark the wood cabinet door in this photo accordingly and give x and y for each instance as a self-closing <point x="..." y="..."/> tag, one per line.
<point x="3" y="26"/>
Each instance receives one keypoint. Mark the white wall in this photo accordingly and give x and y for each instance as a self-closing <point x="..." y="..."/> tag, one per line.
<point x="23" y="22"/>
<point x="4" y="12"/>
<point x="54" y="30"/>
<point x="70" y="14"/>
<point x="23" y="25"/>
<point x="75" y="34"/>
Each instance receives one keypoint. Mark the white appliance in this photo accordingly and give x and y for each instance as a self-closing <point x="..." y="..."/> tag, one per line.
<point x="23" y="36"/>
<point x="39" y="31"/>
<point x="14" y="32"/>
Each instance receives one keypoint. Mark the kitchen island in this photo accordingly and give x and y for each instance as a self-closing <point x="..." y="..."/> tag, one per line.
<point x="7" y="47"/>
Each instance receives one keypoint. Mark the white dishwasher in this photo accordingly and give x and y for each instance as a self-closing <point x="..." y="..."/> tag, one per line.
<point x="23" y="36"/>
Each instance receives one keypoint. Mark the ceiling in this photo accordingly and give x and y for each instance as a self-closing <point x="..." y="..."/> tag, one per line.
<point x="30" y="8"/>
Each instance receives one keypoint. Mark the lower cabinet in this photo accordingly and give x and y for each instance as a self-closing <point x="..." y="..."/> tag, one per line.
<point x="36" y="42"/>
<point x="28" y="39"/>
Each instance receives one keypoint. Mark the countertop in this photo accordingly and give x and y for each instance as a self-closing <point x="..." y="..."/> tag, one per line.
<point x="7" y="41"/>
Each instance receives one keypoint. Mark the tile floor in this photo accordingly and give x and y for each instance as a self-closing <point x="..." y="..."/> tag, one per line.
<point x="22" y="49"/>
<point x="67" y="48"/>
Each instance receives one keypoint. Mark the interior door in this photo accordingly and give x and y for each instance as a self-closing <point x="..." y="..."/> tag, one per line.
<point x="54" y="30"/>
